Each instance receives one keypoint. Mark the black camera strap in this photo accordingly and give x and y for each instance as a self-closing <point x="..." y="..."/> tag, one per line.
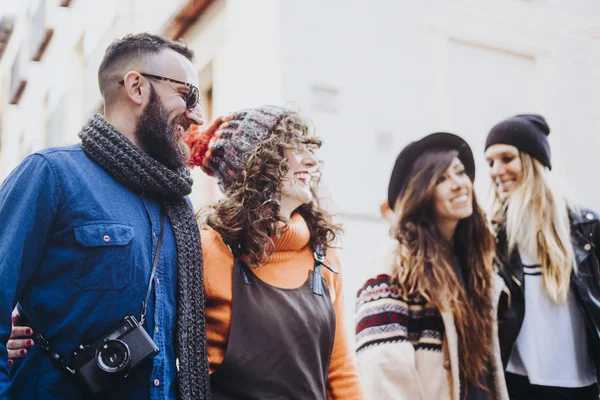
<point x="154" y="265"/>
<point x="47" y="347"/>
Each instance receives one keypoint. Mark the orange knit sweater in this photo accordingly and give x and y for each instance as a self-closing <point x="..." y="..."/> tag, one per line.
<point x="287" y="268"/>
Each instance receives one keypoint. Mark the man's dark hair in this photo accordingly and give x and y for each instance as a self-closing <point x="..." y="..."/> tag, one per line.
<point x="129" y="49"/>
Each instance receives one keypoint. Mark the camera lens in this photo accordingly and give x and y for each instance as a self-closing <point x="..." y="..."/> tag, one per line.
<point x="113" y="356"/>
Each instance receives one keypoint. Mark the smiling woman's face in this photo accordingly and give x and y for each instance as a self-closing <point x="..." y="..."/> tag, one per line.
<point x="453" y="195"/>
<point x="506" y="170"/>
<point x="296" y="185"/>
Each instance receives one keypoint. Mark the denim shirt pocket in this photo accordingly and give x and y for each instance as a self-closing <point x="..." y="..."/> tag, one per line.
<point x="103" y="256"/>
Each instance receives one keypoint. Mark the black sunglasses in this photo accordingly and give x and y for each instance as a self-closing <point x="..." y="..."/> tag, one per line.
<point x="191" y="98"/>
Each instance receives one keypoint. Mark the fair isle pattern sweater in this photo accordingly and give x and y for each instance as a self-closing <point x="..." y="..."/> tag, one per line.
<point x="409" y="351"/>
<point x="384" y="317"/>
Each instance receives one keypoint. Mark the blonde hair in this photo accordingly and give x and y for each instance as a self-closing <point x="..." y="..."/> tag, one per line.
<point x="537" y="222"/>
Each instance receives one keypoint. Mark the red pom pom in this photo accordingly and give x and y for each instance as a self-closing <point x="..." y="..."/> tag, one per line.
<point x="197" y="139"/>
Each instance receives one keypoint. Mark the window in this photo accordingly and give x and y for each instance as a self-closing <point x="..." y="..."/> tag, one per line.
<point x="40" y="34"/>
<point x="6" y="29"/>
<point x="17" y="82"/>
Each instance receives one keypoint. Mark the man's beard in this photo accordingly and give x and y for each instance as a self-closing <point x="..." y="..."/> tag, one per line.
<point x="159" y="138"/>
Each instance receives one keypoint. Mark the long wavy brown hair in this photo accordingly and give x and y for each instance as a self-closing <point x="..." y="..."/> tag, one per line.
<point x="424" y="267"/>
<point x="248" y="217"/>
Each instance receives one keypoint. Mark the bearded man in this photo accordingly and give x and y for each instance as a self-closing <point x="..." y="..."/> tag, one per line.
<point x="100" y="248"/>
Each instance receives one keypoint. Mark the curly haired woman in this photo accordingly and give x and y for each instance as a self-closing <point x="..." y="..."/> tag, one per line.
<point x="274" y="299"/>
<point x="426" y="326"/>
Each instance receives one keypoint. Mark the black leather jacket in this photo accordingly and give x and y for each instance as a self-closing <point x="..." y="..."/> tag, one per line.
<point x="585" y="236"/>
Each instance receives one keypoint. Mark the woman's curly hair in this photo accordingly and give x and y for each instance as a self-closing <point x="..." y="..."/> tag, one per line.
<point x="248" y="218"/>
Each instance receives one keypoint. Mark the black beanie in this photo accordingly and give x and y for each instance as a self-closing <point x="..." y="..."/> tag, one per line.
<point x="527" y="132"/>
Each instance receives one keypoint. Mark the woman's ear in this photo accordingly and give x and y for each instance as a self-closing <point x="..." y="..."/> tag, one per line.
<point x="386" y="212"/>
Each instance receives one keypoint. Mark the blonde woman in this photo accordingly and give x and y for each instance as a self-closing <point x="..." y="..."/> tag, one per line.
<point x="547" y="253"/>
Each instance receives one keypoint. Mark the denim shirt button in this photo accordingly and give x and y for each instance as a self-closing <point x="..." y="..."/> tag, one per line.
<point x="106" y="238"/>
<point x="156" y="382"/>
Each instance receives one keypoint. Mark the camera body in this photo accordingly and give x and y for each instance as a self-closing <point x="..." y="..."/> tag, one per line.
<point x="109" y="359"/>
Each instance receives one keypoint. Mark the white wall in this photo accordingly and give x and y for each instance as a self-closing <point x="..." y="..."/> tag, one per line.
<point x="374" y="76"/>
<point x="242" y="41"/>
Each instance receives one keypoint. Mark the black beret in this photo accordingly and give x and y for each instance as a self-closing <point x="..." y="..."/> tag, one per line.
<point x="407" y="157"/>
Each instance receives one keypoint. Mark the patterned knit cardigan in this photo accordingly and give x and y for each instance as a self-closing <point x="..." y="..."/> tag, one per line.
<point x="409" y="351"/>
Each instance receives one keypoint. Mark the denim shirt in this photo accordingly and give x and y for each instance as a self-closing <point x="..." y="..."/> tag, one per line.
<point x="76" y="251"/>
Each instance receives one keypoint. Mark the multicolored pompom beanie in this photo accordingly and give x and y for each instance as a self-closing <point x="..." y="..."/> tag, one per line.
<point x="222" y="151"/>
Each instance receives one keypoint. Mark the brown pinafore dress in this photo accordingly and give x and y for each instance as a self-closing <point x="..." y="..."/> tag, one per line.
<point x="280" y="340"/>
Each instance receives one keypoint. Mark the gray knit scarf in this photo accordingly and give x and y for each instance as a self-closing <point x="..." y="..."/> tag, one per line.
<point x="136" y="170"/>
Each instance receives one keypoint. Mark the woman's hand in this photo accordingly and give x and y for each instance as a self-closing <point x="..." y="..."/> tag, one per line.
<point x="20" y="340"/>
